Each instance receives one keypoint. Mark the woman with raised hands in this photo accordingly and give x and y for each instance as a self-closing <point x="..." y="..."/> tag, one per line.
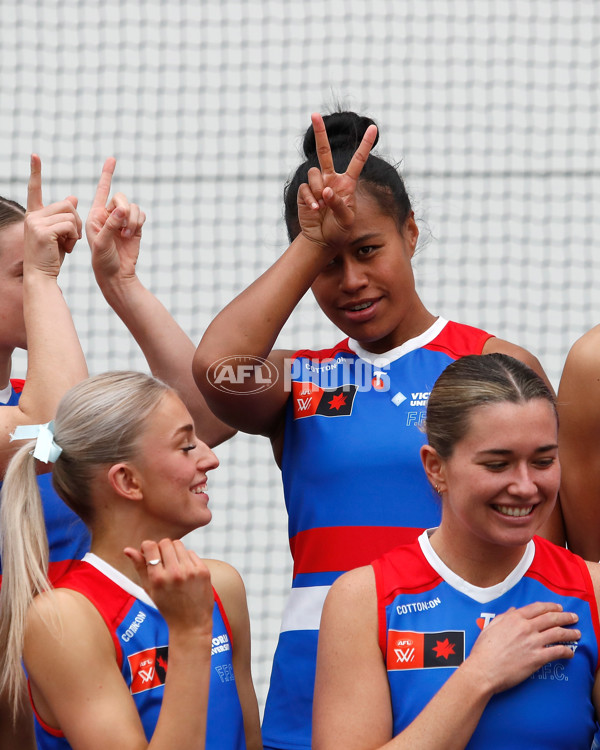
<point x="34" y="316"/>
<point x="141" y="644"/>
<point x="479" y="634"/>
<point x="343" y="422"/>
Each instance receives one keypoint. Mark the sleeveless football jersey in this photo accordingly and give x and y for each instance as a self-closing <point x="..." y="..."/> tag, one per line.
<point x="141" y="638"/>
<point x="429" y="619"/>
<point x="68" y="537"/>
<point x="354" y="487"/>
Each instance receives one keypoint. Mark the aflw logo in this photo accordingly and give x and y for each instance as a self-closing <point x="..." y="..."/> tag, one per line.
<point x="304" y="403"/>
<point x="405" y="655"/>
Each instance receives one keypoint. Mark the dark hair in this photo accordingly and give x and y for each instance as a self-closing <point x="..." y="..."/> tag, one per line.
<point x="473" y="381"/>
<point x="11" y="212"/>
<point x="379" y="178"/>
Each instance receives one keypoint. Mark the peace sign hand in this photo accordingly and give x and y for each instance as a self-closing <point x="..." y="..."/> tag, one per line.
<point x="114" y="231"/>
<point x="326" y="205"/>
<point x="50" y="231"/>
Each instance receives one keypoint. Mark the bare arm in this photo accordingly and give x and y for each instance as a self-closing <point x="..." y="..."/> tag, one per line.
<point x="579" y="445"/>
<point x="553" y="529"/>
<point x="93" y="706"/>
<point x="114" y="231"/>
<point x="232" y="593"/>
<point x="55" y="360"/>
<point x="356" y="714"/>
<point x="250" y="324"/>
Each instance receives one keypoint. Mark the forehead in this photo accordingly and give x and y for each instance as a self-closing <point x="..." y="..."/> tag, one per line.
<point x="169" y="416"/>
<point x="11" y="243"/>
<point x="502" y="424"/>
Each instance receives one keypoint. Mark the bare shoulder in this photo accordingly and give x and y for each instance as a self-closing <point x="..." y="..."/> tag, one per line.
<point x="224" y="577"/>
<point x="353" y="587"/>
<point x="57" y="613"/>
<point x="229" y="585"/>
<point x="584" y="355"/>
<point x="512" y="350"/>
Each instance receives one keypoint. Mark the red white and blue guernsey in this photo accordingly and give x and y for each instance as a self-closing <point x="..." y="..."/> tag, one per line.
<point x="429" y="619"/>
<point x="354" y="487"/>
<point x="68" y="537"/>
<point x="141" y="638"/>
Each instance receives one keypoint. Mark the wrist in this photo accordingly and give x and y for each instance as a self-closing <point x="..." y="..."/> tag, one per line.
<point x="118" y="288"/>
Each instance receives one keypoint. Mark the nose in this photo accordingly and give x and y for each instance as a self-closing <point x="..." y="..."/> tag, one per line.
<point x="522" y="483"/>
<point x="354" y="276"/>
<point x="206" y="459"/>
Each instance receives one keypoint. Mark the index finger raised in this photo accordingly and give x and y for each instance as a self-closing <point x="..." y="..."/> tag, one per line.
<point x="104" y="183"/>
<point x="322" y="142"/>
<point x="34" y="188"/>
<point x="362" y="153"/>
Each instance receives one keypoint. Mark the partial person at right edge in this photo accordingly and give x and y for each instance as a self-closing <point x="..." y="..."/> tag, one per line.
<point x="114" y="231"/>
<point x="579" y="441"/>
<point x="349" y="453"/>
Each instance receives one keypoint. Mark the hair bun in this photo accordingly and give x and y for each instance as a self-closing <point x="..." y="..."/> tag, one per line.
<point x="345" y="131"/>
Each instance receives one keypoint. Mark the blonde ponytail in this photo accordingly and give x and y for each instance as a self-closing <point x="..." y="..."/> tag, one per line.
<point x="24" y="551"/>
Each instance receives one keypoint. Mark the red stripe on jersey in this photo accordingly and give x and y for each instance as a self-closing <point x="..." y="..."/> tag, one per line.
<point x="456" y="340"/>
<point x="340" y="548"/>
<point x="17" y="384"/>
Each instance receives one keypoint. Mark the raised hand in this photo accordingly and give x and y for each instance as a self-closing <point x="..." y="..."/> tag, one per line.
<point x="114" y="231"/>
<point x="179" y="583"/>
<point x="520" y="641"/>
<point x="50" y="231"/>
<point x="326" y="205"/>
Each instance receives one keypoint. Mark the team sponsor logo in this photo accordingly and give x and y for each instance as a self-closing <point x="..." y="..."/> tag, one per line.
<point x="485" y="619"/>
<point x="254" y="374"/>
<point x="133" y="626"/>
<point x="220" y="643"/>
<point x="410" y="650"/>
<point x="405" y="609"/>
<point x="148" y="668"/>
<point x="310" y="400"/>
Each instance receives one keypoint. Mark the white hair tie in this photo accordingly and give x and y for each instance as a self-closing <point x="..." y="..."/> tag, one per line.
<point x="46" y="449"/>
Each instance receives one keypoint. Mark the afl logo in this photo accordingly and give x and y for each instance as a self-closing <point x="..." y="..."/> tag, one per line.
<point x="242" y="374"/>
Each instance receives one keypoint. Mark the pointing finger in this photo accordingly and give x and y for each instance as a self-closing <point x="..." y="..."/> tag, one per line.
<point x="34" y="188"/>
<point x="104" y="183"/>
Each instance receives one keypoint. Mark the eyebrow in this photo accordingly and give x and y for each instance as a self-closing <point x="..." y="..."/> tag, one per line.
<point x="507" y="452"/>
<point x="185" y="428"/>
<point x="364" y="238"/>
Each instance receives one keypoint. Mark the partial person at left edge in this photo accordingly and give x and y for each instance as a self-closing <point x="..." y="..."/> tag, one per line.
<point x="35" y="316"/>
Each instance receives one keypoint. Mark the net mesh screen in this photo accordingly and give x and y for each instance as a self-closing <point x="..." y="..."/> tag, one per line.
<point x="489" y="108"/>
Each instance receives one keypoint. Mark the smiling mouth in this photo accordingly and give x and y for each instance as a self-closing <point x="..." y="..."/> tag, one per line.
<point x="511" y="510"/>
<point x="199" y="490"/>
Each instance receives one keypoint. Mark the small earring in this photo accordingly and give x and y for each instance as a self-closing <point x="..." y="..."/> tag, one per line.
<point x="437" y="489"/>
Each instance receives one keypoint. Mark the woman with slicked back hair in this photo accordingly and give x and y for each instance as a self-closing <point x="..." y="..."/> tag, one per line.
<point x="163" y="635"/>
<point x="343" y="422"/>
<point x="479" y="634"/>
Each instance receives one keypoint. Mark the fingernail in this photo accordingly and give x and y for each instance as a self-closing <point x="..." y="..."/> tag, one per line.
<point x="314" y="205"/>
<point x="126" y="233"/>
